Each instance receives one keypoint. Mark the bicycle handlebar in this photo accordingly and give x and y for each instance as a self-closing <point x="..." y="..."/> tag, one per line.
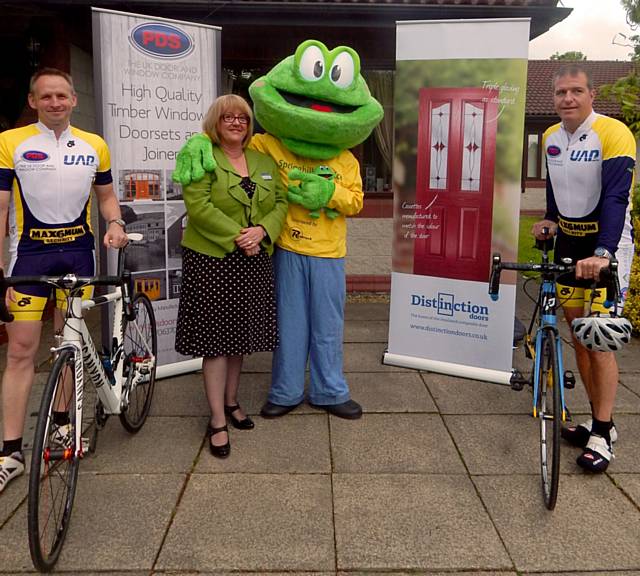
<point x="494" y="279"/>
<point x="66" y="282"/>
<point x="544" y="267"/>
<point x="608" y="276"/>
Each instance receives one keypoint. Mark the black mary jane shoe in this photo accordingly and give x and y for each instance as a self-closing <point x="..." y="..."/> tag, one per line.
<point x="245" y="424"/>
<point x="218" y="451"/>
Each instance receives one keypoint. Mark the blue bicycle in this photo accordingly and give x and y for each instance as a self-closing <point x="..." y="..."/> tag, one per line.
<point x="548" y="378"/>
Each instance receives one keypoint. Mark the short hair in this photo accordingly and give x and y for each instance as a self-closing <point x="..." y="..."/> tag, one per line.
<point x="573" y="70"/>
<point x="221" y="106"/>
<point x="50" y="72"/>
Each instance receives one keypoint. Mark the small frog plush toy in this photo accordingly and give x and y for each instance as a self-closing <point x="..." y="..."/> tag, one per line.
<point x="314" y="106"/>
<point x="294" y="194"/>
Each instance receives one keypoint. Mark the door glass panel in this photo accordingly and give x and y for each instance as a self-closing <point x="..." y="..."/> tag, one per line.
<point x="439" y="146"/>
<point x="472" y="147"/>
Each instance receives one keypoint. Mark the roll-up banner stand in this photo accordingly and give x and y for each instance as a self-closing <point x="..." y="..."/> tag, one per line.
<point x="459" y="122"/>
<point x="154" y="81"/>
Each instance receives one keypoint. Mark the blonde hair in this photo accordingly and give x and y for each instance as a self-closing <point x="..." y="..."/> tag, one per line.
<point x="223" y="105"/>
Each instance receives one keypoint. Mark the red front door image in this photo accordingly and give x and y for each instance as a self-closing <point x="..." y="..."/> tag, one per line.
<point x="454" y="182"/>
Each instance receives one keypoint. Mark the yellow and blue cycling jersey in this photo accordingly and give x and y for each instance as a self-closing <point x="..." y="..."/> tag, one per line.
<point x="589" y="180"/>
<point x="50" y="180"/>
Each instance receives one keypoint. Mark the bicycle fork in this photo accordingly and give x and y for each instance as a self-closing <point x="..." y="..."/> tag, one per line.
<point x="539" y="372"/>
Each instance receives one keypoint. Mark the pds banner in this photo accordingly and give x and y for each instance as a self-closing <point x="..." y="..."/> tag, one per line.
<point x="155" y="80"/>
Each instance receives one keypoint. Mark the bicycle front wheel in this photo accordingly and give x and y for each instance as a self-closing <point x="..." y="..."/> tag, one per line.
<point x="54" y="465"/>
<point x="550" y="415"/>
<point x="140" y="353"/>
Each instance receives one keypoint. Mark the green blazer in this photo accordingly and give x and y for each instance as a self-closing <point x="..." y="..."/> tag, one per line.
<point x="218" y="208"/>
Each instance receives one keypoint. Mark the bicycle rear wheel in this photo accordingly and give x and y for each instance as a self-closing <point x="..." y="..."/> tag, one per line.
<point x="550" y="415"/>
<point x="140" y="353"/>
<point x="54" y="466"/>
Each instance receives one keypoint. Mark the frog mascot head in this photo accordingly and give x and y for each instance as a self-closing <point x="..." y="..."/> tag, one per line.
<point x="316" y="101"/>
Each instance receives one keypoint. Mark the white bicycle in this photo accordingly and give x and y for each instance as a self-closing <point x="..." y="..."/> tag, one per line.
<point x="124" y="387"/>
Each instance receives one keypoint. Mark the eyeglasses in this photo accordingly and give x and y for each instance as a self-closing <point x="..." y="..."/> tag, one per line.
<point x="231" y="118"/>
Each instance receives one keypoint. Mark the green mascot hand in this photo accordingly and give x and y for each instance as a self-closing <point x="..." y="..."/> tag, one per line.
<point x="195" y="157"/>
<point x="314" y="191"/>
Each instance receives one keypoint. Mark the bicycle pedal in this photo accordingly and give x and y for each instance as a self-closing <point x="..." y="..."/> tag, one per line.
<point x="517" y="380"/>
<point x="569" y="380"/>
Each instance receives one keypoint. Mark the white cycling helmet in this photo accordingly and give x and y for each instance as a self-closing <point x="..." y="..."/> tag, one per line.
<point x="602" y="333"/>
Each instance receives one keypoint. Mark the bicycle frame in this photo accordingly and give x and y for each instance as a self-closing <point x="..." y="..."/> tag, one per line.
<point x="547" y="320"/>
<point x="76" y="336"/>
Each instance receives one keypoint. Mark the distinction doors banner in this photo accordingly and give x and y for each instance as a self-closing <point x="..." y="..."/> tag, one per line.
<point x="154" y="81"/>
<point x="459" y="124"/>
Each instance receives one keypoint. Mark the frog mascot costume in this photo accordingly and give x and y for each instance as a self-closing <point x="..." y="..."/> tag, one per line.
<point x="314" y="106"/>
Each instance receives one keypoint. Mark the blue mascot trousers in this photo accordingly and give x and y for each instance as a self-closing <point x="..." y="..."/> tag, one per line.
<point x="310" y="296"/>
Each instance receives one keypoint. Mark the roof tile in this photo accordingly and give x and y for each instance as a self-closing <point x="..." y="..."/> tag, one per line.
<point x="540" y="73"/>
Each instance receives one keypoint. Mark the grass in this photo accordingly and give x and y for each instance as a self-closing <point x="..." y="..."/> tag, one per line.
<point x="527" y="252"/>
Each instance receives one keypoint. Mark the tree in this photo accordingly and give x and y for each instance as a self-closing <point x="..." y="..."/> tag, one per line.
<point x="571" y="55"/>
<point x="626" y="91"/>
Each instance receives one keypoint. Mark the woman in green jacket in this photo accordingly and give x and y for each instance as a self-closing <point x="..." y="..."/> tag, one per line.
<point x="227" y="304"/>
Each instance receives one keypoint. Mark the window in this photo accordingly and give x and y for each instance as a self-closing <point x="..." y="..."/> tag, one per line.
<point x="535" y="166"/>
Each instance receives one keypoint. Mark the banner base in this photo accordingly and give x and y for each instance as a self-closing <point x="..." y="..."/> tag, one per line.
<point x="177" y="368"/>
<point x="460" y="370"/>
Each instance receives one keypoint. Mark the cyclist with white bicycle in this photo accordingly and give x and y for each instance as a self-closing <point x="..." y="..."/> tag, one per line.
<point x="47" y="171"/>
<point x="590" y="161"/>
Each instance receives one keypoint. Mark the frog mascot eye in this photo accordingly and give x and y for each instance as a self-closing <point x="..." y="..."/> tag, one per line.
<point x="343" y="70"/>
<point x="312" y="64"/>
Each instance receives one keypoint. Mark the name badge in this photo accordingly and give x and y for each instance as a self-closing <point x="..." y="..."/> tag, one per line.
<point x="266" y="176"/>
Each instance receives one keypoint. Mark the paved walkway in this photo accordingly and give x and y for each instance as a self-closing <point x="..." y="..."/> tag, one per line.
<point x="439" y="476"/>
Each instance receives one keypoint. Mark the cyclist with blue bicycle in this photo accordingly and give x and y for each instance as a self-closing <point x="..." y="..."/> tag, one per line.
<point x="47" y="171"/>
<point x="590" y="161"/>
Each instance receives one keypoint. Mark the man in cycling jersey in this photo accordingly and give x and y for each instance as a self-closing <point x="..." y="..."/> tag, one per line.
<point x="590" y="162"/>
<point x="47" y="170"/>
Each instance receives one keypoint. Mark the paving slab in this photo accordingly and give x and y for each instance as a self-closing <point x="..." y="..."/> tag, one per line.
<point x="393" y="443"/>
<point x="463" y="396"/>
<point x="599" y="573"/>
<point x="252" y="522"/>
<point x="629" y="357"/>
<point x="119" y="452"/>
<point x="631" y="380"/>
<point x="185" y="396"/>
<point x="367" y="357"/>
<point x="627" y="448"/>
<point x="248" y="573"/>
<point x="121" y="520"/>
<point x="630" y="485"/>
<point x="540" y="540"/>
<point x="366" y="311"/>
<point x="505" y="444"/>
<point x="367" y="331"/>
<point x="391" y="392"/>
<point x="258" y="362"/>
<point x="13" y="496"/>
<point x="180" y="396"/>
<point x="413" y="522"/>
<point x="292" y="444"/>
<point x="394" y="573"/>
<point x="108" y="573"/>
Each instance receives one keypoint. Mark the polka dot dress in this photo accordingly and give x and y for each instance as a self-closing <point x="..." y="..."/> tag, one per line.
<point x="227" y="305"/>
